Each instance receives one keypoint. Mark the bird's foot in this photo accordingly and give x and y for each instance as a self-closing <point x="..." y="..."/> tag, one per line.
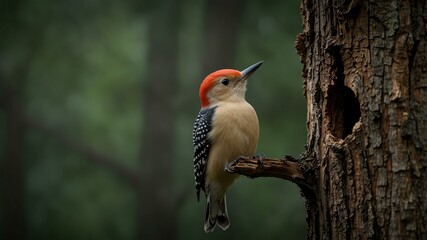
<point x="260" y="157"/>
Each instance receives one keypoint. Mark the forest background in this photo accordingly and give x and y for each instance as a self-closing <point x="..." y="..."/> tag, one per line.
<point x="98" y="100"/>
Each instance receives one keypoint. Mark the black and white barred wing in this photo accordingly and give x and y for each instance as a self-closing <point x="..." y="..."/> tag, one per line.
<point x="202" y="145"/>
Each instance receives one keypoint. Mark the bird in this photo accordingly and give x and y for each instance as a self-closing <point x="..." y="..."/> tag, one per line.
<point x="226" y="128"/>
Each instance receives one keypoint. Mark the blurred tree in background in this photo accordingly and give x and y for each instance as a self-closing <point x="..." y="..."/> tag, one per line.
<point x="97" y="103"/>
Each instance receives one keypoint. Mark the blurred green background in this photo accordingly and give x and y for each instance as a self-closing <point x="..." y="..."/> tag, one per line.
<point x="97" y="104"/>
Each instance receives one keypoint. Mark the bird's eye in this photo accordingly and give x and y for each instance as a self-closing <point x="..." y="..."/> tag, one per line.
<point x="225" y="81"/>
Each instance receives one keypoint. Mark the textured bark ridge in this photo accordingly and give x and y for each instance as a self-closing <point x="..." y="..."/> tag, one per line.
<point x="365" y="79"/>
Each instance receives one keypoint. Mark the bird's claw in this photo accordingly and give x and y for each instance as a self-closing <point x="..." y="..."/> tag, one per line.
<point x="260" y="158"/>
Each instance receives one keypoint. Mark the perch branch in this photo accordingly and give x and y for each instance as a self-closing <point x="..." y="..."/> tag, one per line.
<point x="287" y="168"/>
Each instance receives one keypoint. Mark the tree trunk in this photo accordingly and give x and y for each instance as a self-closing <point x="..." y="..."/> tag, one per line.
<point x="365" y="79"/>
<point x="13" y="77"/>
<point x="156" y="199"/>
<point x="221" y="31"/>
<point x="12" y="166"/>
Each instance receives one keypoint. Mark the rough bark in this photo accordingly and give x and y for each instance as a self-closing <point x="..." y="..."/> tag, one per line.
<point x="287" y="168"/>
<point x="365" y="83"/>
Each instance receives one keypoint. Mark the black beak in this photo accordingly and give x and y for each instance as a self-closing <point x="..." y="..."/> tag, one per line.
<point x="248" y="71"/>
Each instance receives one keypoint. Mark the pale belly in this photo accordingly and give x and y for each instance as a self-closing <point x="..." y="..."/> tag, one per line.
<point x="236" y="136"/>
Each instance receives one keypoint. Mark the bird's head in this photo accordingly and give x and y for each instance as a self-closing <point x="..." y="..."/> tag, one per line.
<point x="225" y="85"/>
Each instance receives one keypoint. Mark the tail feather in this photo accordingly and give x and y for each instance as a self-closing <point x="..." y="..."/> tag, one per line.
<point x="216" y="214"/>
<point x="209" y="222"/>
<point x="222" y="217"/>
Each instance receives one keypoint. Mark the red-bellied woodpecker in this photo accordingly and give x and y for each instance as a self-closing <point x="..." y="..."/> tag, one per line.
<point x="226" y="128"/>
